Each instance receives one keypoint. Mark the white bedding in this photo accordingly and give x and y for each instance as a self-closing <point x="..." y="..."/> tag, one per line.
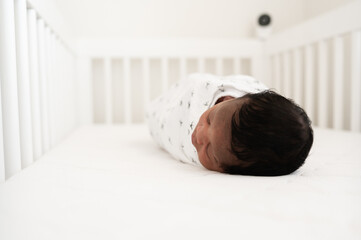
<point x="112" y="182"/>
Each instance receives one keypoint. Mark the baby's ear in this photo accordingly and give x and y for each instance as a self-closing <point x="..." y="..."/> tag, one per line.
<point x="226" y="98"/>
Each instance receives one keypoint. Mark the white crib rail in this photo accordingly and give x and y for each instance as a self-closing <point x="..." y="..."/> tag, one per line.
<point x="32" y="59"/>
<point x="326" y="77"/>
<point x="127" y="74"/>
<point x="137" y="80"/>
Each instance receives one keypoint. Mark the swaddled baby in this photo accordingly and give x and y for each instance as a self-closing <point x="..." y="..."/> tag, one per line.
<point x="231" y="124"/>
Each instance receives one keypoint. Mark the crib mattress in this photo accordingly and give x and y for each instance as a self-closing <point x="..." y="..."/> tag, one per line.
<point x="113" y="182"/>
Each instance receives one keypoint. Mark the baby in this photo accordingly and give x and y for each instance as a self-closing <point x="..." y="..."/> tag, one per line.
<point x="232" y="125"/>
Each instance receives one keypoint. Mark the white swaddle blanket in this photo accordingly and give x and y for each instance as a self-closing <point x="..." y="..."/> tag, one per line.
<point x="173" y="116"/>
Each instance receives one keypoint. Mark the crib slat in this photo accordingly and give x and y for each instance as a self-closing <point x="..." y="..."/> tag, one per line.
<point x="322" y="84"/>
<point x="22" y="59"/>
<point x="108" y="91"/>
<point x="219" y="66"/>
<point x="34" y="84"/>
<point x="54" y="69"/>
<point x="356" y="81"/>
<point x="9" y="94"/>
<point x="277" y="74"/>
<point x="338" y="70"/>
<point x="271" y="70"/>
<point x="84" y="88"/>
<point x="309" y="80"/>
<point x="146" y="81"/>
<point x="267" y="75"/>
<point x="2" y="159"/>
<point x="52" y="81"/>
<point x="75" y="96"/>
<point x="49" y="76"/>
<point x="297" y="82"/>
<point x="281" y="76"/>
<point x="43" y="85"/>
<point x="200" y="65"/>
<point x="127" y="90"/>
<point x="236" y="65"/>
<point x="164" y="74"/>
<point x="257" y="66"/>
<point x="56" y="89"/>
<point x="286" y="75"/>
<point x="66" y="105"/>
<point x="66" y="89"/>
<point x="98" y="89"/>
<point x="183" y="68"/>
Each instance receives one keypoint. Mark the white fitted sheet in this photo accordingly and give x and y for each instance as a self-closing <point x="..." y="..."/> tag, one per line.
<point x="113" y="182"/>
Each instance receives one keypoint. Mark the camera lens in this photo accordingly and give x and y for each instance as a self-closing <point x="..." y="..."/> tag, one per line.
<point x="264" y="20"/>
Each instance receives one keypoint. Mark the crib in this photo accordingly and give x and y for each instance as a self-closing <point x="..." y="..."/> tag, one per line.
<point x="76" y="160"/>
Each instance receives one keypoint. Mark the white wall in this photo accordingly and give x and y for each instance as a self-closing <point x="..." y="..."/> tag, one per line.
<point x="184" y="18"/>
<point x="313" y="8"/>
<point x="176" y="18"/>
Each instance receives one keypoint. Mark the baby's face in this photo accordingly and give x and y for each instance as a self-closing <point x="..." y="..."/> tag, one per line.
<point x="212" y="135"/>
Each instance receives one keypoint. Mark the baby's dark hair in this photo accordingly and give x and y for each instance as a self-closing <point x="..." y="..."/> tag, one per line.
<point x="271" y="136"/>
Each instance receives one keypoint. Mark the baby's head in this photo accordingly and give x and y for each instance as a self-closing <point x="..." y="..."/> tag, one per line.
<point x="262" y="134"/>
